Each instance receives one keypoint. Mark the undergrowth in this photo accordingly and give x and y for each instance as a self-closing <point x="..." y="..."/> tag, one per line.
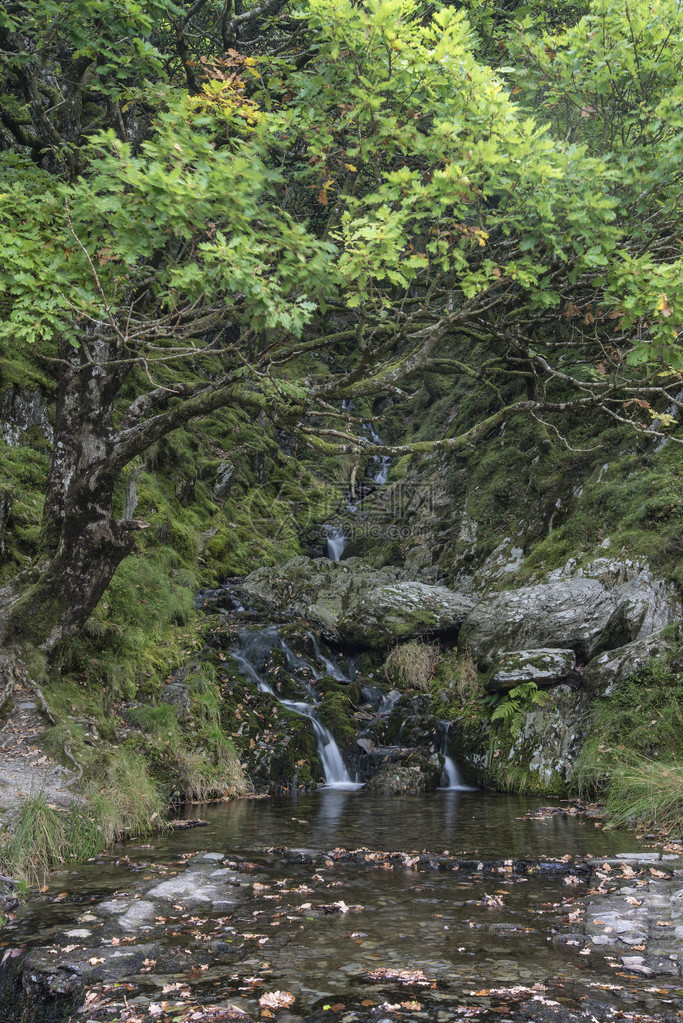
<point x="122" y="801"/>
<point x="633" y="757"/>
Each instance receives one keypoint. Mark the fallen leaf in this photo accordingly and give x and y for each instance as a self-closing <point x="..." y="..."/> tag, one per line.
<point x="276" y="999"/>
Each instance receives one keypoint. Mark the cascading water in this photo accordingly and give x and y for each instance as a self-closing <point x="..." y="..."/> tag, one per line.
<point x="254" y="651"/>
<point x="336" y="542"/>
<point x="381" y="463"/>
<point x="331" y="667"/>
<point x="451" y="774"/>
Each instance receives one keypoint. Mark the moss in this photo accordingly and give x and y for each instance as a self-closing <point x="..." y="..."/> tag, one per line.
<point x="335" y="713"/>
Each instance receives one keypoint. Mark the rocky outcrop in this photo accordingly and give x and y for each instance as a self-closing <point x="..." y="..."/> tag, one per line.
<point x="613" y="665"/>
<point x="539" y="753"/>
<point x="545" y="667"/>
<point x="601" y="606"/>
<point x="352" y="602"/>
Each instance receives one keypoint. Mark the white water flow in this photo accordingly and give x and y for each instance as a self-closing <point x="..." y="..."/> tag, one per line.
<point x="331" y="667"/>
<point x="336" y="542"/>
<point x="451" y="773"/>
<point x="252" y="656"/>
<point x="380" y="462"/>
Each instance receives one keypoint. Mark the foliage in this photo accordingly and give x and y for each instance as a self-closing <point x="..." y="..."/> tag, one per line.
<point x="511" y="708"/>
<point x="202" y="219"/>
<point x="123" y="800"/>
<point x="639" y="720"/>
<point x="646" y="792"/>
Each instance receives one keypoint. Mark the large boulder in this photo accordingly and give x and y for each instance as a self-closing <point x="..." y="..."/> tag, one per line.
<point x="404" y="610"/>
<point x="545" y="667"/>
<point x="316" y="589"/>
<point x="604" y="605"/>
<point x="352" y="601"/>
<point x="613" y="665"/>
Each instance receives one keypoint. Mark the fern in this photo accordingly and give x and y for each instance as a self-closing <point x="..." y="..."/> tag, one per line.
<point x="513" y="707"/>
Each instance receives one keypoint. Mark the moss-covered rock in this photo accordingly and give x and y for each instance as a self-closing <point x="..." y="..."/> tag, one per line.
<point x="545" y="667"/>
<point x="600" y="606"/>
<point x="411" y="775"/>
<point x="403" y="610"/>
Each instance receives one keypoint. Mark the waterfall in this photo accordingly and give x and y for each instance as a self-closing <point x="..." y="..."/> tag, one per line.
<point x="336" y="541"/>
<point x="331" y="667"/>
<point x="381" y="462"/>
<point x="451" y="773"/>
<point x="253" y="654"/>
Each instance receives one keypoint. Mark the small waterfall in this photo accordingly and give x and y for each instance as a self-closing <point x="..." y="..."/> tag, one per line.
<point x="336" y="541"/>
<point x="331" y="667"/>
<point x="253" y="654"/>
<point x="451" y="774"/>
<point x="382" y="463"/>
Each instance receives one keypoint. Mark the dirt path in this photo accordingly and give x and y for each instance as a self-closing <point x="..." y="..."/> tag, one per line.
<point x="25" y="768"/>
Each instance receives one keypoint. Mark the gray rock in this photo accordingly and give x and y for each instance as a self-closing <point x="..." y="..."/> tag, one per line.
<point x="192" y="889"/>
<point x="411" y="774"/>
<point x="609" y="667"/>
<point x="140" y="913"/>
<point x="637" y="965"/>
<point x="351" y="600"/>
<point x="225" y="477"/>
<point x="177" y="694"/>
<point x="598" y="607"/>
<point x="401" y="611"/>
<point x="545" y="667"/>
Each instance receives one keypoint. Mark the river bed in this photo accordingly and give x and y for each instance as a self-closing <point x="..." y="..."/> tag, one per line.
<point x="366" y="937"/>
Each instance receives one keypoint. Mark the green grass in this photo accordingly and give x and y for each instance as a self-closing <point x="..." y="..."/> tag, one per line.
<point x="645" y="792"/>
<point x="633" y="757"/>
<point x="122" y="801"/>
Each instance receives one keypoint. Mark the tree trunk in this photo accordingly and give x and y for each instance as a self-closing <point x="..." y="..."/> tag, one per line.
<point x="82" y="543"/>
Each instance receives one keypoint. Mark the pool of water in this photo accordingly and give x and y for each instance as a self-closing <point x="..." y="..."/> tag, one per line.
<point x="473" y="936"/>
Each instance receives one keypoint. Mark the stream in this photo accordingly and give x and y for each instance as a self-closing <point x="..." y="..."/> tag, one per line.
<point x="330" y="932"/>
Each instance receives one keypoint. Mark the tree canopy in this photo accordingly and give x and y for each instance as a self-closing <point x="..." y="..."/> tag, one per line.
<point x="196" y="194"/>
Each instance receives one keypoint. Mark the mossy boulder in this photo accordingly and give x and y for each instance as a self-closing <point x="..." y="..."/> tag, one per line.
<point x="545" y="667"/>
<point x="588" y="610"/>
<point x="409" y="776"/>
<point x="403" y="610"/>
<point x="316" y="589"/>
<point x="613" y="665"/>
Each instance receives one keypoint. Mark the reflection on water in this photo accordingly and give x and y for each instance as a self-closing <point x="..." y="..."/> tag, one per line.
<point x="466" y="823"/>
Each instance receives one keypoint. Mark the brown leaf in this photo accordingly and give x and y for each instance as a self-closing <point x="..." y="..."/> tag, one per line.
<point x="322" y="198"/>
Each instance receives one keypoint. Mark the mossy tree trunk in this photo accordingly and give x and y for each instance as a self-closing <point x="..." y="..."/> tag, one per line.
<point x="96" y="437"/>
<point x="82" y="543"/>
